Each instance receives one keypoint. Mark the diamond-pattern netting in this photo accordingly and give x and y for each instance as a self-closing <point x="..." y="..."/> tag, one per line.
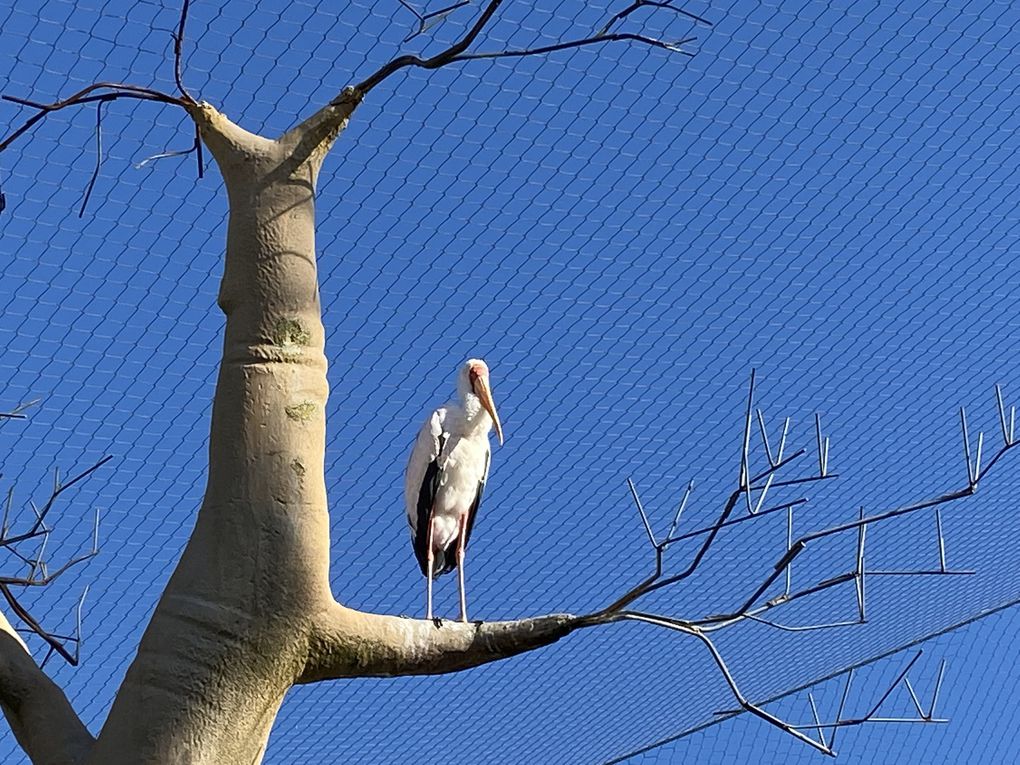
<point x="826" y="192"/>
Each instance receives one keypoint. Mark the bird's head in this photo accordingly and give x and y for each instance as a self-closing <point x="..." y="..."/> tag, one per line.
<point x="474" y="378"/>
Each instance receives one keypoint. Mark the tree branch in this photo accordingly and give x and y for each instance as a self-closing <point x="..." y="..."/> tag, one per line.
<point x="38" y="573"/>
<point x="179" y="55"/>
<point x="317" y="133"/>
<point x="459" y="50"/>
<point x="349" y="643"/>
<point x="39" y="713"/>
<point x="440" y="59"/>
<point x="107" y="91"/>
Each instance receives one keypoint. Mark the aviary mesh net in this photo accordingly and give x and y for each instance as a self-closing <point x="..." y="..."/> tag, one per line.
<point x="826" y="192"/>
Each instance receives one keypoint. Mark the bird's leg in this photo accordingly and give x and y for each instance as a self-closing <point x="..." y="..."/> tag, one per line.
<point x="428" y="572"/>
<point x="462" y="528"/>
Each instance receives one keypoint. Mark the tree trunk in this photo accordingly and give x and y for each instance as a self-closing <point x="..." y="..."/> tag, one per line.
<point x="230" y="634"/>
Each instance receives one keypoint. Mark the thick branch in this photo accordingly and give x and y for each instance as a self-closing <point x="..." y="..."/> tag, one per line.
<point x="42" y="719"/>
<point x="316" y="134"/>
<point x="349" y="643"/>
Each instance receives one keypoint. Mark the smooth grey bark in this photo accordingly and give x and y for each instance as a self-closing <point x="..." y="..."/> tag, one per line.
<point x="348" y="643"/>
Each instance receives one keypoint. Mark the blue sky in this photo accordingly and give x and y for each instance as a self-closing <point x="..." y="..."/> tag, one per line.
<point x="826" y="192"/>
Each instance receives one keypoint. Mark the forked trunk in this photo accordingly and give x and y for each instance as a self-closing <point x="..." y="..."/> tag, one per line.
<point x="230" y="634"/>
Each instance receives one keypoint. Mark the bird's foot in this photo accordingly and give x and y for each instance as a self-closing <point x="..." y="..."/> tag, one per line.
<point x="438" y="621"/>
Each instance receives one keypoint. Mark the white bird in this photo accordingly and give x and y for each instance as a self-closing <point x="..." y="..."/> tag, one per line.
<point x="446" y="477"/>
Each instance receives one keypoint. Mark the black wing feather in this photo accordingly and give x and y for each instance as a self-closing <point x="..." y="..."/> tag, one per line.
<point x="473" y="511"/>
<point x="426" y="499"/>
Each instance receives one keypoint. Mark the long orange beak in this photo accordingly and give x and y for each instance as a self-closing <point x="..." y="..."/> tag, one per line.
<point x="484" y="393"/>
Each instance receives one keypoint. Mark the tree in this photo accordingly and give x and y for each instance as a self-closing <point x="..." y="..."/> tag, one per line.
<point x="248" y="612"/>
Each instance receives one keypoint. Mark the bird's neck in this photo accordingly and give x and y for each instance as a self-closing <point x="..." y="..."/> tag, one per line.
<point x="476" y="419"/>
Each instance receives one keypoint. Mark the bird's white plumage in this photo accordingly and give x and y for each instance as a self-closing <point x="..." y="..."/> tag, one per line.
<point x="446" y="476"/>
<point x="450" y="464"/>
<point x="463" y="468"/>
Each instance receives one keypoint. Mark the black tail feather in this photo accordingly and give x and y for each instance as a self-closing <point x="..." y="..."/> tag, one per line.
<point x="443" y="562"/>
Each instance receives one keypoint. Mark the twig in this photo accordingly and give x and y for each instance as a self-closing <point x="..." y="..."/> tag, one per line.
<point x="644" y="515"/>
<point x="99" y="154"/>
<point x="650" y="4"/>
<point x="101" y="93"/>
<point x="39" y="574"/>
<point x="83" y="96"/>
<point x="435" y="17"/>
<point x="178" y="54"/>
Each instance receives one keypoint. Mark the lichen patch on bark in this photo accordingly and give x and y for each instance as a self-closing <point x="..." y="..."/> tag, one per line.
<point x="301" y="412"/>
<point x="288" y="333"/>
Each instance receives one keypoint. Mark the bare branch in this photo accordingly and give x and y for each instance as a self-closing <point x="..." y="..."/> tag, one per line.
<point x="799" y="732"/>
<point x="101" y="93"/>
<point x="88" y="95"/>
<point x="751" y="609"/>
<point x="38" y="572"/>
<point x="99" y="155"/>
<point x="195" y="148"/>
<point x="437" y="61"/>
<point x="17" y="413"/>
<point x="673" y="47"/>
<point x="84" y="96"/>
<point x="938" y="687"/>
<point x="734" y="521"/>
<point x="56" y="643"/>
<point x="179" y="55"/>
<point x="842" y="706"/>
<point x="644" y="515"/>
<point x="941" y="539"/>
<point x="458" y="52"/>
<point x="679" y="511"/>
<point x="972" y="473"/>
<point x="427" y="21"/>
<point x="814" y="713"/>
<point x="1007" y="430"/>
<point x="744" y="484"/>
<point x="861" y="524"/>
<point x="688" y="629"/>
<point x="823" y="447"/>
<point x="638" y="4"/>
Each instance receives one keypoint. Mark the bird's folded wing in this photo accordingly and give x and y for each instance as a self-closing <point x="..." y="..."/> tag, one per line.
<point x="425" y="472"/>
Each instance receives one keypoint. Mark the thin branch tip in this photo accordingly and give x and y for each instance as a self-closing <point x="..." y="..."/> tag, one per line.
<point x="38" y="573"/>
<point x="819" y="734"/>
